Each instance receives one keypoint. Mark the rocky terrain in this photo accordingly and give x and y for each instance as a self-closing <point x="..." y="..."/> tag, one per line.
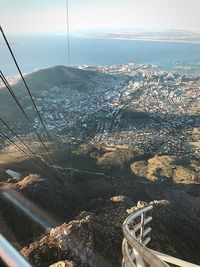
<point x="94" y="236"/>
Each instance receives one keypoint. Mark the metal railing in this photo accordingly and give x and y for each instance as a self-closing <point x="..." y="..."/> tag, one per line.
<point x="134" y="250"/>
<point x="10" y="256"/>
<point x="173" y="260"/>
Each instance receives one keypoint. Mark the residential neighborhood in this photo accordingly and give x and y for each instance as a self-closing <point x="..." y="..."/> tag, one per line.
<point x="135" y="105"/>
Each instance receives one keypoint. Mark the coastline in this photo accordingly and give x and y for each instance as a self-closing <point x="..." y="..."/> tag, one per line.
<point x="13" y="80"/>
<point x="167" y="56"/>
<point x="140" y="39"/>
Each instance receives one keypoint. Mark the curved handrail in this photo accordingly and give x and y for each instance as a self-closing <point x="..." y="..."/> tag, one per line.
<point x="130" y="239"/>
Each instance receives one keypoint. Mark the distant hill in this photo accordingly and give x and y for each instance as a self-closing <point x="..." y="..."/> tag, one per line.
<point x="59" y="75"/>
<point x="44" y="79"/>
<point x="148" y="35"/>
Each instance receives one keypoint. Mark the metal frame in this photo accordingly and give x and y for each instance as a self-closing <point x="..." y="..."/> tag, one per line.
<point x="134" y="250"/>
<point x="10" y="255"/>
<point x="173" y="260"/>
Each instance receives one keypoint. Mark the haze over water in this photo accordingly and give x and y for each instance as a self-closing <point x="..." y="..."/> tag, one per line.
<point x="34" y="52"/>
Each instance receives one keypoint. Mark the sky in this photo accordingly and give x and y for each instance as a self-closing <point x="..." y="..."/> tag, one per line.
<point x="50" y="16"/>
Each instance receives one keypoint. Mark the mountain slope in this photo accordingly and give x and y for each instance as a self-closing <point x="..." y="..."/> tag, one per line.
<point x="44" y="79"/>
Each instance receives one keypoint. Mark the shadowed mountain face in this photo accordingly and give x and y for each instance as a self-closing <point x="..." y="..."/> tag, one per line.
<point x="44" y="79"/>
<point x="56" y="76"/>
<point x="98" y="232"/>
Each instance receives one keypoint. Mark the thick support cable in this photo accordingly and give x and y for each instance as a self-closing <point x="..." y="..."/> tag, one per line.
<point x="27" y="118"/>
<point x="28" y="90"/>
<point x="68" y="64"/>
<point x="18" y="137"/>
<point x="68" y="33"/>
<point x="24" y="113"/>
<point x="10" y="256"/>
<point x="20" y="149"/>
<point x="27" y="147"/>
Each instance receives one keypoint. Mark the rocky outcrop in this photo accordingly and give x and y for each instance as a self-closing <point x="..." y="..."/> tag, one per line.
<point x="94" y="238"/>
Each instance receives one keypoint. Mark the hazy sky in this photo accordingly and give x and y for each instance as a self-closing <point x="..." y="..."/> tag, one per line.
<point x="21" y="16"/>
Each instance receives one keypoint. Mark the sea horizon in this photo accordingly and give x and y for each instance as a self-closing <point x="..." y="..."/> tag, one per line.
<point x="34" y="52"/>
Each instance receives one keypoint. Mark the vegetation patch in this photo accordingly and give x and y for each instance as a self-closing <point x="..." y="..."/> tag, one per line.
<point x="167" y="168"/>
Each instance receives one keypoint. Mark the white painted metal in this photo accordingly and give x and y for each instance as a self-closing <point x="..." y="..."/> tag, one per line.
<point x="139" y="260"/>
<point x="146" y="241"/>
<point x="10" y="255"/>
<point x="138" y="226"/>
<point x="141" y="254"/>
<point x="134" y="248"/>
<point x="13" y="174"/>
<point x="142" y="228"/>
<point x="173" y="260"/>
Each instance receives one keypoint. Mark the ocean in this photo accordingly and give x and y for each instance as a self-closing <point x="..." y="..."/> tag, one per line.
<point x="34" y="52"/>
